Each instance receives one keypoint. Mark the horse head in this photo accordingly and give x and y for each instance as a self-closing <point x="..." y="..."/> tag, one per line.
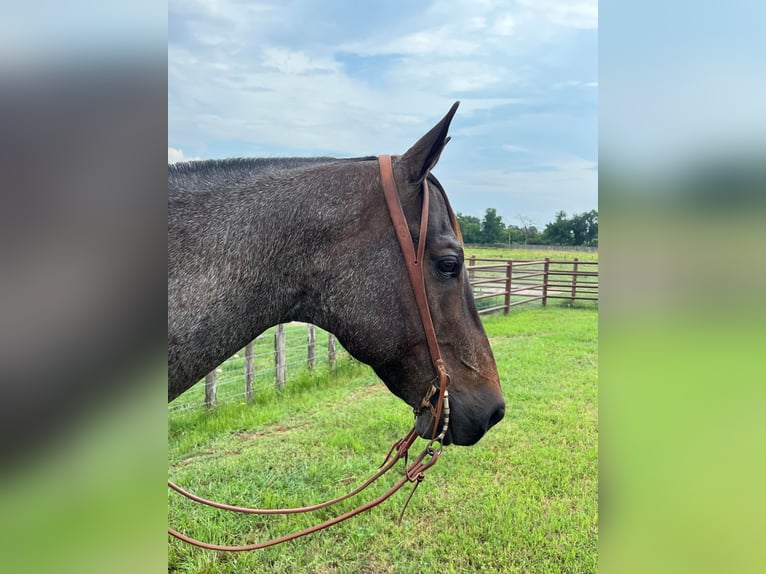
<point x="381" y="324"/>
<point x="253" y="243"/>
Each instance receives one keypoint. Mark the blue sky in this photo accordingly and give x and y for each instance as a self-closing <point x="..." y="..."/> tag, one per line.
<point x="354" y="78"/>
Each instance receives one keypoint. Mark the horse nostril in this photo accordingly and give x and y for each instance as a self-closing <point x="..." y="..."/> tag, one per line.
<point x="497" y="416"/>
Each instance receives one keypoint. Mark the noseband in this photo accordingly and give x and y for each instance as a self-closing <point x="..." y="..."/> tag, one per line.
<point x="415" y="472"/>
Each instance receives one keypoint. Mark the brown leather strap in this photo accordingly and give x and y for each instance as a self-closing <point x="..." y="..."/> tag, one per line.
<point x="398" y="450"/>
<point x="423" y="225"/>
<point x="413" y="473"/>
<point x="188" y="539"/>
<point x="415" y="266"/>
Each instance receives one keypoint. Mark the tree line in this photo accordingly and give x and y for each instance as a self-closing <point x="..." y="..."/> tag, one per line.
<point x="579" y="229"/>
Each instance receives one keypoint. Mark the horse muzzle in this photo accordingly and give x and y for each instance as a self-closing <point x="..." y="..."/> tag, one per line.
<point x="466" y="425"/>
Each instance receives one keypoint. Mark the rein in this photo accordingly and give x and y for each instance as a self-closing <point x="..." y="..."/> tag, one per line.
<point x="415" y="472"/>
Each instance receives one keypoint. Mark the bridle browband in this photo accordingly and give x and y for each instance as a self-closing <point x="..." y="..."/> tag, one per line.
<point x="415" y="472"/>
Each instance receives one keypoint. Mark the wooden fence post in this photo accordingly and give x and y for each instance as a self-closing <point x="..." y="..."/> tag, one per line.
<point x="471" y="263"/>
<point x="279" y="356"/>
<point x="312" y="347"/>
<point x="508" y="274"/>
<point x="210" y="384"/>
<point x="546" y="268"/>
<point x="331" y="350"/>
<point x="574" y="282"/>
<point x="249" y="368"/>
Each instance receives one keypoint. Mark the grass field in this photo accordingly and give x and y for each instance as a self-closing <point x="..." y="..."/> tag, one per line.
<point x="515" y="253"/>
<point x="522" y="500"/>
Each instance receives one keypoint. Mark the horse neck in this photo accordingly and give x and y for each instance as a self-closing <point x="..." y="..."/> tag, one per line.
<point x="241" y="257"/>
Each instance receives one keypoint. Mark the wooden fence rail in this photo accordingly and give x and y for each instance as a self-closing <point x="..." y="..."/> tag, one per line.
<point x="500" y="284"/>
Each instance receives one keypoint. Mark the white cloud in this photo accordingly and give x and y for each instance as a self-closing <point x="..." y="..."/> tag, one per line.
<point x="570" y="185"/>
<point x="504" y="26"/>
<point x="296" y="62"/>
<point x="288" y="94"/>
<point x="573" y="176"/>
<point x="329" y="111"/>
<point x="442" y="41"/>
<point x="459" y="75"/>
<point x="575" y="84"/>
<point x="581" y="14"/>
<point x="177" y="156"/>
<point x="572" y="164"/>
<point x="279" y="84"/>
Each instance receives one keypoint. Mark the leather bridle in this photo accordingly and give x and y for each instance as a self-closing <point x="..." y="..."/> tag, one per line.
<point x="414" y="472"/>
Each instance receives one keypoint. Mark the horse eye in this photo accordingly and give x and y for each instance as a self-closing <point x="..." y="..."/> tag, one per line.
<point x="449" y="266"/>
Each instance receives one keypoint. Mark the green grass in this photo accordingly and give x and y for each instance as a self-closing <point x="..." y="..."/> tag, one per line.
<point x="553" y="303"/>
<point x="516" y="253"/>
<point x="230" y="373"/>
<point x="524" y="499"/>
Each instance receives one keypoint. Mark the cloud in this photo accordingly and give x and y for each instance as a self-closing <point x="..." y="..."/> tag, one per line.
<point x="442" y="41"/>
<point x="232" y="78"/>
<point x="177" y="156"/>
<point x="296" y="100"/>
<point x="574" y="84"/>
<point x="565" y="13"/>
<point x="568" y="184"/>
<point x="504" y="26"/>
<point x="300" y="78"/>
<point x="296" y="62"/>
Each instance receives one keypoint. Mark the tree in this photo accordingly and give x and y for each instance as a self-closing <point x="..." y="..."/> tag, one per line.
<point x="534" y="236"/>
<point x="470" y="227"/>
<point x="492" y="227"/>
<point x="559" y="232"/>
<point x="590" y="223"/>
<point x="527" y="226"/>
<point x="514" y="233"/>
<point x="580" y="229"/>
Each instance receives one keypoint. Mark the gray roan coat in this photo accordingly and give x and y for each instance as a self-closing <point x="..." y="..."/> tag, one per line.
<point x="257" y="242"/>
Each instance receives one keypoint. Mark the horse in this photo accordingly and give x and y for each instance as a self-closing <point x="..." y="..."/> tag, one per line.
<point x="257" y="242"/>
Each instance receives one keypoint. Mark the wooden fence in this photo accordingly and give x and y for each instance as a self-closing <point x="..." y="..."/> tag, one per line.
<point x="500" y="284"/>
<point x="268" y="360"/>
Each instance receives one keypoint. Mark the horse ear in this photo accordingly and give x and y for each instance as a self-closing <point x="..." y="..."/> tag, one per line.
<point x="422" y="157"/>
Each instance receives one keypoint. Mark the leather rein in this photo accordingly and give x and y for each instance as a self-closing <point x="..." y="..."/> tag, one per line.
<point x="415" y="471"/>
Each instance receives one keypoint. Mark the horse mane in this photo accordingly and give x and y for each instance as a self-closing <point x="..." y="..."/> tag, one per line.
<point x="237" y="168"/>
<point x="250" y="166"/>
<point x="207" y="175"/>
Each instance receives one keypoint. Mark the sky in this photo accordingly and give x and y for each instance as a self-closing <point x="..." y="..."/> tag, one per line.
<point x="680" y="83"/>
<point x="351" y="78"/>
